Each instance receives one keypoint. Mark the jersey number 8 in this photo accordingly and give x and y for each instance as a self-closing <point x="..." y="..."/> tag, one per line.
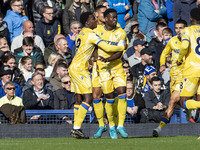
<point x="198" y="46"/>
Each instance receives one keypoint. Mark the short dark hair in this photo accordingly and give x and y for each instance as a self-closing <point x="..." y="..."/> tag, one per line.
<point x="160" y="24"/>
<point x="46" y="7"/>
<point x="38" y="63"/>
<point x="84" y="17"/>
<point x="110" y="10"/>
<point x="194" y="13"/>
<point x="155" y="79"/>
<point x="2" y="37"/>
<point x="13" y="1"/>
<point x="99" y="7"/>
<point x="180" y="21"/>
<point x="63" y="65"/>
<point x="6" y="58"/>
<point x="28" y="41"/>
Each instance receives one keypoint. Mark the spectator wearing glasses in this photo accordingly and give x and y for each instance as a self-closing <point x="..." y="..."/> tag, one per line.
<point x="47" y="27"/>
<point x="6" y="76"/>
<point x="15" y="19"/>
<point x="64" y="98"/>
<point x="38" y="6"/>
<point x="11" y="106"/>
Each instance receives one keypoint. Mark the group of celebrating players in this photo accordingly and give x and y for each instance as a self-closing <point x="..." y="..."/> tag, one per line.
<point x="104" y="42"/>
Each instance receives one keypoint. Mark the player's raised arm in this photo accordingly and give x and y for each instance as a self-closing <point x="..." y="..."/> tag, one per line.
<point x="184" y="46"/>
<point x="166" y="52"/>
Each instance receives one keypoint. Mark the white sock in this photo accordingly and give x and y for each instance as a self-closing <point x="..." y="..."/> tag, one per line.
<point x="111" y="126"/>
<point x="159" y="129"/>
<point x="119" y="126"/>
<point x="76" y="127"/>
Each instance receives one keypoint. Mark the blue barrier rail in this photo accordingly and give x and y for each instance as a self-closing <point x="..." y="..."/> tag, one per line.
<point x="66" y="116"/>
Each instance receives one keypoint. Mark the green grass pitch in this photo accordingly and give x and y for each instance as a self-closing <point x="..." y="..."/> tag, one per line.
<point x="139" y="143"/>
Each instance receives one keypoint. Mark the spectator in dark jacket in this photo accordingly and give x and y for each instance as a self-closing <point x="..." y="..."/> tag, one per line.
<point x="138" y="69"/>
<point x="156" y="100"/>
<point x="59" y="71"/>
<point x="72" y="13"/>
<point x="47" y="27"/>
<point x="4" y="48"/>
<point x="63" y="50"/>
<point x="38" y="96"/>
<point x="64" y="98"/>
<point x="167" y="34"/>
<point x="17" y="76"/>
<point x="3" y="27"/>
<point x="181" y="9"/>
<point x="47" y="85"/>
<point x="52" y="48"/>
<point x="27" y="50"/>
<point x="38" y="6"/>
<point x="158" y="39"/>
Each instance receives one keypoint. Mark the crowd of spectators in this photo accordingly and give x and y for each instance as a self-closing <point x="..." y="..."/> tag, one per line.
<point x="37" y="45"/>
